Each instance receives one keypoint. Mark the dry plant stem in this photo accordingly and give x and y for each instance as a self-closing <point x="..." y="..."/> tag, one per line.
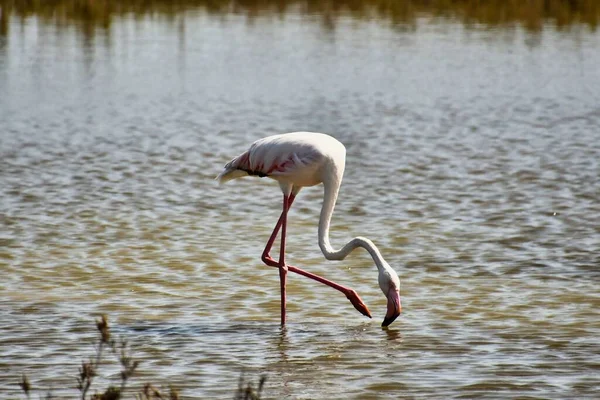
<point x="25" y="385"/>
<point x="128" y="365"/>
<point x="88" y="370"/>
<point x="248" y="392"/>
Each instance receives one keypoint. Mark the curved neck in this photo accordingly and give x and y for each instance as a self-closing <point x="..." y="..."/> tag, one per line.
<point x="331" y="189"/>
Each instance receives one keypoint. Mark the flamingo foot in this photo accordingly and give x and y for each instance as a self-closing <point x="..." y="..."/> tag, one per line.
<point x="358" y="303"/>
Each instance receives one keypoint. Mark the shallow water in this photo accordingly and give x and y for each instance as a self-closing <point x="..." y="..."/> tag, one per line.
<point x="472" y="163"/>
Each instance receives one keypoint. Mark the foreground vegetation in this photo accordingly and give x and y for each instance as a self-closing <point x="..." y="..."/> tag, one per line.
<point x="89" y="370"/>
<point x="531" y="14"/>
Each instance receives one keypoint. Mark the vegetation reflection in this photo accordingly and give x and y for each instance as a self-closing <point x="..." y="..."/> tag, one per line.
<point x="531" y="14"/>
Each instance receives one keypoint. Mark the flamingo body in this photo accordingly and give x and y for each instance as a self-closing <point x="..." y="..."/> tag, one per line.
<point x="300" y="159"/>
<point x="296" y="158"/>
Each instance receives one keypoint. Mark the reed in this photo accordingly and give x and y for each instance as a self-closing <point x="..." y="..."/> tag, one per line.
<point x="531" y="14"/>
<point x="246" y="390"/>
<point x="120" y="349"/>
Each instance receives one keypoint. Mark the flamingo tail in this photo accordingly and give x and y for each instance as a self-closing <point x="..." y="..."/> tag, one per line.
<point x="232" y="169"/>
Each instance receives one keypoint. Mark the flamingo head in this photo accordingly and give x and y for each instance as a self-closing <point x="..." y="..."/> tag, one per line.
<point x="390" y="286"/>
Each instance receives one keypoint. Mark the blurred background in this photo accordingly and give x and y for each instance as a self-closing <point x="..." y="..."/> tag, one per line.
<point x="472" y="130"/>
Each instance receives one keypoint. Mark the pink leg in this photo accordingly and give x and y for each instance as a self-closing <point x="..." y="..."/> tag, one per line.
<point x="283" y="268"/>
<point x="281" y="224"/>
<point x="350" y="293"/>
<point x="265" y="254"/>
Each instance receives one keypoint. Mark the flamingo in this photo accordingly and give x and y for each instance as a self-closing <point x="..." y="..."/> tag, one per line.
<point x="301" y="159"/>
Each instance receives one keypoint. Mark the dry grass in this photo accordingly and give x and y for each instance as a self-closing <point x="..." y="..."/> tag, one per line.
<point x="531" y="14"/>
<point x="120" y="349"/>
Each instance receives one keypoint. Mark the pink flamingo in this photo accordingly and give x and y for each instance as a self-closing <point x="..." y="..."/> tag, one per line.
<point x="300" y="159"/>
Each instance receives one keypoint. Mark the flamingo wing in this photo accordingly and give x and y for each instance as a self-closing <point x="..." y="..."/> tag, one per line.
<point x="278" y="157"/>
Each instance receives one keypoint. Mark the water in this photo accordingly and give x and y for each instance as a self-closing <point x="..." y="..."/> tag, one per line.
<point x="472" y="163"/>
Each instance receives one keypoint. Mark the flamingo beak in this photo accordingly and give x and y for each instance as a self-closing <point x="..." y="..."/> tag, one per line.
<point x="394" y="307"/>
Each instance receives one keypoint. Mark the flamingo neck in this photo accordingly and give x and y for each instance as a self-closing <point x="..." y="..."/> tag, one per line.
<point x="331" y="189"/>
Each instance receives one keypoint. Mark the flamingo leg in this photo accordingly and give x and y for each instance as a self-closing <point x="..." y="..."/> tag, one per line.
<point x="265" y="254"/>
<point x="283" y="268"/>
<point x="350" y="293"/>
<point x="267" y="259"/>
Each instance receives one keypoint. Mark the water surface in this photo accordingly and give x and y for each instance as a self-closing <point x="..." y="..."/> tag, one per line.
<point x="472" y="163"/>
